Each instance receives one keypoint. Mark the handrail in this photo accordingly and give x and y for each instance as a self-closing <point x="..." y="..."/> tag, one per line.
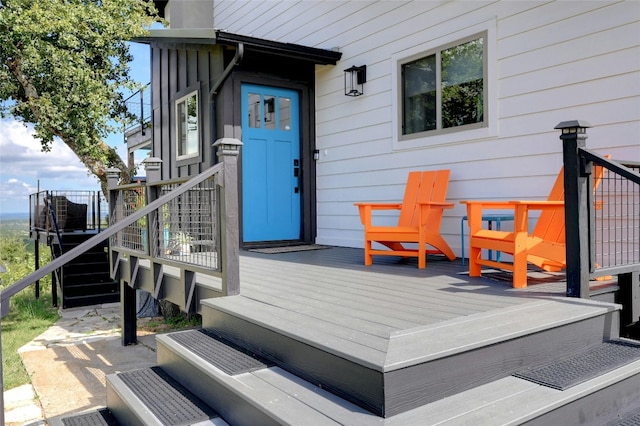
<point x="5" y="294"/>
<point x="614" y="166"/>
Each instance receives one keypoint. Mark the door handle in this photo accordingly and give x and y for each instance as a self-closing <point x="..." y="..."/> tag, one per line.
<point x="296" y="174"/>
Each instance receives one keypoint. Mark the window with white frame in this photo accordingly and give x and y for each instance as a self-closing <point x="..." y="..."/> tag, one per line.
<point x="444" y="90"/>
<point x="187" y="126"/>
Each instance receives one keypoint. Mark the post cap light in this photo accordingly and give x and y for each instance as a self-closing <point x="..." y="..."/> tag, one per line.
<point x="151" y="163"/>
<point x="354" y="79"/>
<point x="573" y="127"/>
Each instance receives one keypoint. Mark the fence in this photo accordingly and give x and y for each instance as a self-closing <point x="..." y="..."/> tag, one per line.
<point x="617" y="219"/>
<point x="190" y="226"/>
<point x="602" y="224"/>
<point x="184" y="229"/>
<point x="138" y="110"/>
<point x="72" y="210"/>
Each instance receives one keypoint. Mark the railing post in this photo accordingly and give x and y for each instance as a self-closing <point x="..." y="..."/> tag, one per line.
<point x="576" y="212"/>
<point x="127" y="294"/>
<point x="154" y="175"/>
<point x="113" y="180"/>
<point x="228" y="150"/>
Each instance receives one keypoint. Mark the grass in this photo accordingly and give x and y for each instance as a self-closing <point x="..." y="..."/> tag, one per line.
<point x="28" y="316"/>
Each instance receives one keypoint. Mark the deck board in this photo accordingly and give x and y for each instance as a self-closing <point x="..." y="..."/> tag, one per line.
<point x="359" y="310"/>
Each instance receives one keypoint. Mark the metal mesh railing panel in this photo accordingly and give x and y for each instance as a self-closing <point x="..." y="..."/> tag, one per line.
<point x="128" y="201"/>
<point x="617" y="221"/>
<point x="187" y="226"/>
<point x="73" y="210"/>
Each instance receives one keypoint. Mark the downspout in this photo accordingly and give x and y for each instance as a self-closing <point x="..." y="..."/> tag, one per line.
<point x="235" y="61"/>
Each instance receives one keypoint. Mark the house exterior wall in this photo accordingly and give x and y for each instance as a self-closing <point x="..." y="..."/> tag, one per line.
<point x="178" y="70"/>
<point x="547" y="62"/>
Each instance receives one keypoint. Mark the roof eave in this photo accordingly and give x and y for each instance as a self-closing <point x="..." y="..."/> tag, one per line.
<point x="211" y="36"/>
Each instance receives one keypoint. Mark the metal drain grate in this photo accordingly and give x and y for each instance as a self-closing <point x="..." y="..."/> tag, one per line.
<point x="168" y="400"/>
<point x="218" y="352"/>
<point x="587" y="365"/>
<point x="628" y="419"/>
<point x="101" y="417"/>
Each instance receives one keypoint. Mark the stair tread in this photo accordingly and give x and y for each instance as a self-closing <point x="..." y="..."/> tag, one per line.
<point x="284" y="396"/>
<point x="511" y="400"/>
<point x="102" y="417"/>
<point x="419" y="344"/>
<point x="566" y="373"/>
<point x="219" y="352"/>
<point x="168" y="400"/>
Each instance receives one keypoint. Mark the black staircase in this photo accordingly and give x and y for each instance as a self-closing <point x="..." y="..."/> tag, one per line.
<point x="85" y="280"/>
<point x="63" y="220"/>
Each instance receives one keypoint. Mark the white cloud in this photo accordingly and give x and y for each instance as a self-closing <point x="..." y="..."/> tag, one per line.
<point x="23" y="166"/>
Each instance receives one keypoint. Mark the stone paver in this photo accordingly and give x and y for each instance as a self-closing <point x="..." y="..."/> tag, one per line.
<point x="68" y="364"/>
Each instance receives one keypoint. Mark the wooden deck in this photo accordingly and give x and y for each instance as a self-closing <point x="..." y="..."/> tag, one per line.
<point x="390" y="296"/>
<point x="399" y="342"/>
<point x="390" y="322"/>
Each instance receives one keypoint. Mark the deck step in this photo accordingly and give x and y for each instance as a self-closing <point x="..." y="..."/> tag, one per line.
<point x="151" y="396"/>
<point x="264" y="396"/>
<point x="569" y="372"/>
<point x="220" y="353"/>
<point x="102" y="417"/>
<point x="410" y="368"/>
<point x="611" y="397"/>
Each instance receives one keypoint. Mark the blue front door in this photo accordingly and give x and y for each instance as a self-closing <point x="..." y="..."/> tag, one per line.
<point x="270" y="164"/>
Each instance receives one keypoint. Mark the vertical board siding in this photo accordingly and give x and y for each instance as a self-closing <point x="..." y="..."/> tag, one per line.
<point x="177" y="69"/>
<point x="553" y="61"/>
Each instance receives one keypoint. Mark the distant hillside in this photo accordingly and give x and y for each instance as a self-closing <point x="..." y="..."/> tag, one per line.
<point x="14" y="224"/>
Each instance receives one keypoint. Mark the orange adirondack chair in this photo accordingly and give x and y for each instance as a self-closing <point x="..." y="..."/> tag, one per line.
<point x="544" y="247"/>
<point x="419" y="222"/>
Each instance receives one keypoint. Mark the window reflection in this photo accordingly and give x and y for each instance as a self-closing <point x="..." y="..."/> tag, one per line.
<point x="187" y="125"/>
<point x="269" y="112"/>
<point x="285" y="114"/>
<point x="444" y="89"/>
<point x="254" y="110"/>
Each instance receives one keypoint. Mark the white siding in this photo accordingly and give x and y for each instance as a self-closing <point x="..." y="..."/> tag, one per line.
<point x="550" y="61"/>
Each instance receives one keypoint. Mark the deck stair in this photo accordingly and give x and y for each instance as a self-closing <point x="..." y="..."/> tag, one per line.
<point x="258" y="363"/>
<point x="86" y="280"/>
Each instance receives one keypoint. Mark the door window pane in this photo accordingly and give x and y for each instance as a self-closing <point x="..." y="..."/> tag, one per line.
<point x="269" y="112"/>
<point x="254" y="110"/>
<point x="285" y="113"/>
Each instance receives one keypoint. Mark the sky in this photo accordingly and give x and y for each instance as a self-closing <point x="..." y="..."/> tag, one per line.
<point x="23" y="166"/>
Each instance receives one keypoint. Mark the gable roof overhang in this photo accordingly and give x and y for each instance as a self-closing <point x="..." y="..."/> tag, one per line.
<point x="211" y="36"/>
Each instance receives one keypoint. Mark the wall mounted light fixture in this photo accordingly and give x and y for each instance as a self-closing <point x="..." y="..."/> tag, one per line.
<point x="354" y="79"/>
<point x="316" y="154"/>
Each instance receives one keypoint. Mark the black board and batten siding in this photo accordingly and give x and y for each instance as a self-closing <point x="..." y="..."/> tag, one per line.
<point x="178" y="70"/>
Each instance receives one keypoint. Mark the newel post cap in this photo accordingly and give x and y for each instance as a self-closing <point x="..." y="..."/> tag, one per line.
<point x="573" y="126"/>
<point x="228" y="146"/>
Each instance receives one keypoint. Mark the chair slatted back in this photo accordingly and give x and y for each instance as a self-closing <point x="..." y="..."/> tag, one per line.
<point x="424" y="186"/>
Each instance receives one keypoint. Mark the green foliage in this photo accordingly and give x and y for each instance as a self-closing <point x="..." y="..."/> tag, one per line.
<point x="28" y="317"/>
<point x="63" y="65"/>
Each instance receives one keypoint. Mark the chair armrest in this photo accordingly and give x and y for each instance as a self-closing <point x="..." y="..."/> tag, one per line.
<point x="442" y="204"/>
<point x="365" y="210"/>
<point x="520" y="208"/>
<point x="380" y="206"/>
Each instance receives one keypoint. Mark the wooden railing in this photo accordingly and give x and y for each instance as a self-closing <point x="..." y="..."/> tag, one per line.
<point x="602" y="225"/>
<point x="190" y="225"/>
